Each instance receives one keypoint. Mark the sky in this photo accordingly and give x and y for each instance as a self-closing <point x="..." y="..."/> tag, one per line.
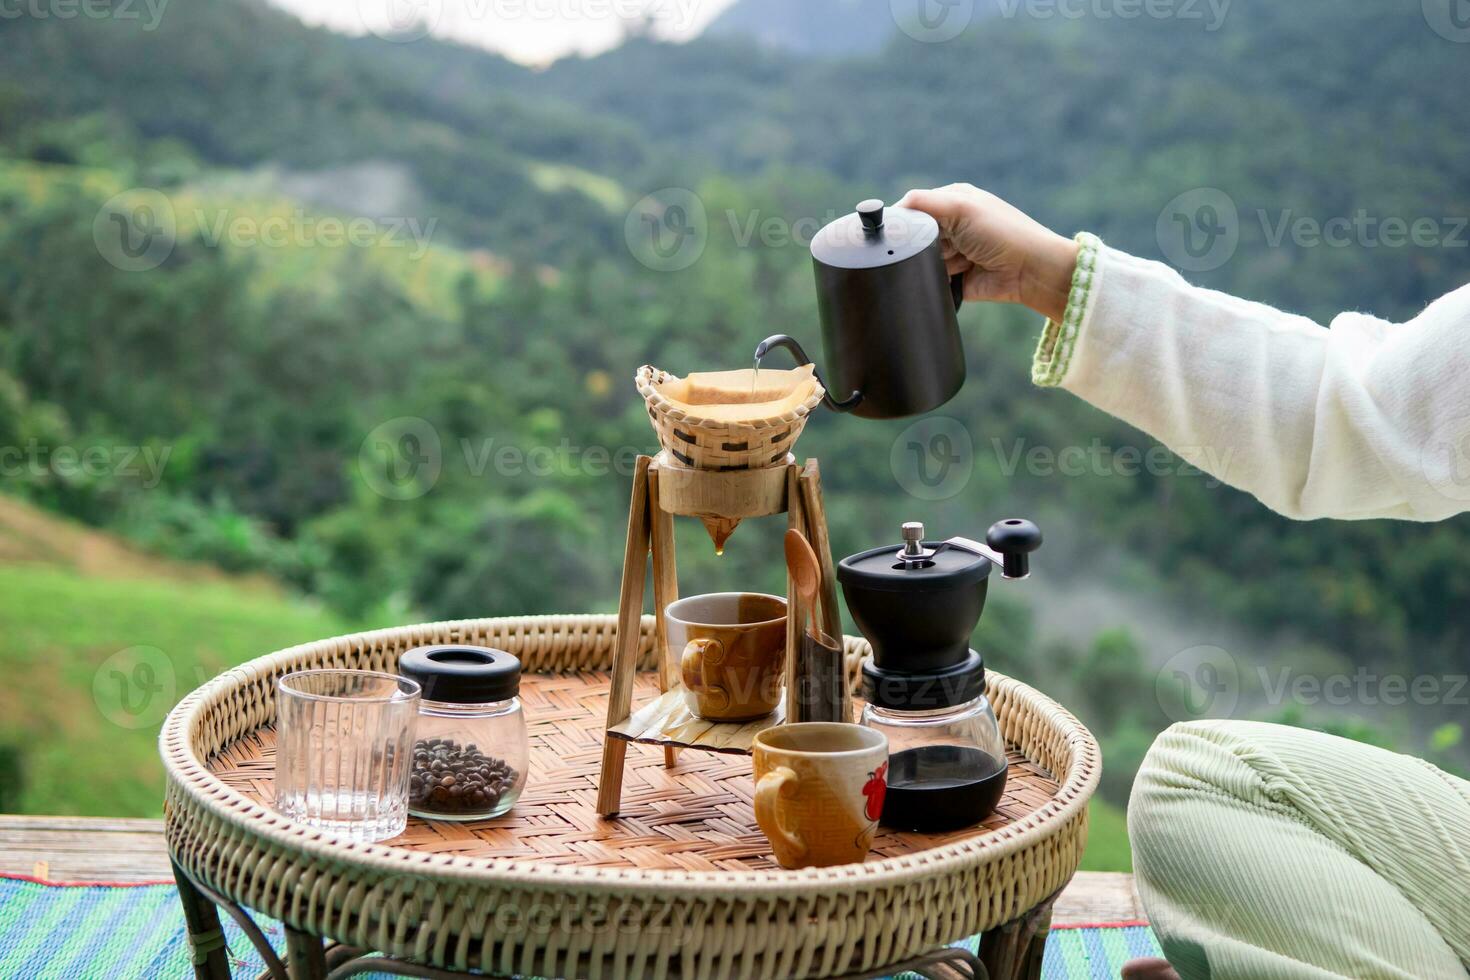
<point x="533" y="32"/>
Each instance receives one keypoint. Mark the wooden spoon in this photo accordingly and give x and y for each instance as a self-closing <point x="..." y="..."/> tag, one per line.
<point x="806" y="574"/>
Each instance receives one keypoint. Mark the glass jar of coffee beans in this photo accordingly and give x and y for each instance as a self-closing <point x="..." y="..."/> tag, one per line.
<point x="470" y="755"/>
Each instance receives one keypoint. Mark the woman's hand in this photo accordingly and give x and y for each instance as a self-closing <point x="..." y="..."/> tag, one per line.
<point x="1006" y="257"/>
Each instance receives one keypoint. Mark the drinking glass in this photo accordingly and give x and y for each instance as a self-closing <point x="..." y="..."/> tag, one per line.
<point x="344" y="744"/>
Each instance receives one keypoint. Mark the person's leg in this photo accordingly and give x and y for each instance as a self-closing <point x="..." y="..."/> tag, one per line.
<point x="1268" y="852"/>
<point x="1148" y="968"/>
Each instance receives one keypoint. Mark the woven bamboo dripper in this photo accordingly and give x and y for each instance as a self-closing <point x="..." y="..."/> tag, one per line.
<point x="711" y="437"/>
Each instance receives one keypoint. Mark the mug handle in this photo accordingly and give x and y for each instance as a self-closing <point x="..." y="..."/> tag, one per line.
<point x="691" y="667"/>
<point x="957" y="290"/>
<point x="767" y="790"/>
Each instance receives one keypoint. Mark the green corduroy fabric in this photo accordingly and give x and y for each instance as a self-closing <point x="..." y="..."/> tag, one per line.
<point x="1264" y="852"/>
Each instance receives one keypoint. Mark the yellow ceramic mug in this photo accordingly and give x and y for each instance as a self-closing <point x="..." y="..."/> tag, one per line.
<point x="819" y="790"/>
<point x="732" y="653"/>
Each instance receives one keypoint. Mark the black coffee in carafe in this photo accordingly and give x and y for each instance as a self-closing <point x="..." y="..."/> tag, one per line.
<point x="935" y="788"/>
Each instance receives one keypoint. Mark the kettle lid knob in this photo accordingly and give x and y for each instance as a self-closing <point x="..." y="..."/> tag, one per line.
<point x="871" y="213"/>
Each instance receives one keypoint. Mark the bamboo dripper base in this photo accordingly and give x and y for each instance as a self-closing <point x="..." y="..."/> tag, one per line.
<point x="662" y="490"/>
<point x="722" y="498"/>
<point x="719" y="530"/>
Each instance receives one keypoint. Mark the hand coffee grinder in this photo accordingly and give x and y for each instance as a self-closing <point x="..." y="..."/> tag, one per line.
<point x="917" y="603"/>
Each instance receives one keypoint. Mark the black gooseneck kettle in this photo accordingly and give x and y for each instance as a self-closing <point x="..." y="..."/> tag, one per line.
<point x="887" y="309"/>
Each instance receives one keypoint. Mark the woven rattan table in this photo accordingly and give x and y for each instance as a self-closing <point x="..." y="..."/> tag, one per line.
<point x="679" y="885"/>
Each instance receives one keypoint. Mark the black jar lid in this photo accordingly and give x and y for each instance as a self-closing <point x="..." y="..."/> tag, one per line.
<point x="874" y="236"/>
<point x="944" y="566"/>
<point x="924" y="690"/>
<point x="457" y="674"/>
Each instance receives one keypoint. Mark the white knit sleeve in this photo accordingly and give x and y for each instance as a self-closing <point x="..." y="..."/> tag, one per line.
<point x="1365" y="419"/>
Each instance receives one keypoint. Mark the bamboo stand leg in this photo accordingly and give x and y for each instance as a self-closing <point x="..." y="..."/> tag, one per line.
<point x="797" y="707"/>
<point x="816" y="521"/>
<point x="816" y="532"/>
<point x="665" y="591"/>
<point x="625" y="654"/>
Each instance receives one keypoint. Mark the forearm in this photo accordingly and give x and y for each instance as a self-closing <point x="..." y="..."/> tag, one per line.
<point x="1046" y="276"/>
<point x="1313" y="422"/>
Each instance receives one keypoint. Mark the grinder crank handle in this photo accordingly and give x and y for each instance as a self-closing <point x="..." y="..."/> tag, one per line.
<point x="790" y="343"/>
<point x="1009" y="544"/>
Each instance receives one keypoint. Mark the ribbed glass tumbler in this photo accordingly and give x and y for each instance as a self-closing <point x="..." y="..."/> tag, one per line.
<point x="344" y="744"/>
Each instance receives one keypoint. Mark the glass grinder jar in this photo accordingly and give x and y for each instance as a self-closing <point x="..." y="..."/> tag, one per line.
<point x="471" y="751"/>
<point x="947" y="761"/>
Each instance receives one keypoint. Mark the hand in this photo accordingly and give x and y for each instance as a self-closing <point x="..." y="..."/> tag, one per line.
<point x="1005" y="256"/>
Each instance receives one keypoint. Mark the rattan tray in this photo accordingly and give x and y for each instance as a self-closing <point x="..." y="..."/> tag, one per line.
<point x="681" y="884"/>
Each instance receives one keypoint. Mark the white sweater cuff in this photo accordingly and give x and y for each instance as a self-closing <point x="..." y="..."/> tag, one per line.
<point x="1059" y="339"/>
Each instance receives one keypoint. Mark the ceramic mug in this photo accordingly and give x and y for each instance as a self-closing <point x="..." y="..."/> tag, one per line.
<point x="732" y="653"/>
<point x="819" y="790"/>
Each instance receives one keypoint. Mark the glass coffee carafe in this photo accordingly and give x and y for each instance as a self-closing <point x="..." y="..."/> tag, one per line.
<point x="946" y="765"/>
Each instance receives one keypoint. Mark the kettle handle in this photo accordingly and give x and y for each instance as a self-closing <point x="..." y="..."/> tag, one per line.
<point x="957" y="289"/>
<point x="790" y="343"/>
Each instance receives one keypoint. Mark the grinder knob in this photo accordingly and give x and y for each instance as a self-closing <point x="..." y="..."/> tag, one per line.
<point x="913" y="539"/>
<point x="1015" y="540"/>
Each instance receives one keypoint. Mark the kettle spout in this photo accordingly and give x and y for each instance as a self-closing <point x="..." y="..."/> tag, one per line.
<point x="789" y="343"/>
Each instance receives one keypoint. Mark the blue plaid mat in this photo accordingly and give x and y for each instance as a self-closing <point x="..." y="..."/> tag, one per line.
<point x="84" y="932"/>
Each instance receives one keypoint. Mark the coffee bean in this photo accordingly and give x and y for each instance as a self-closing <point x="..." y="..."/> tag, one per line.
<point x="455" y="779"/>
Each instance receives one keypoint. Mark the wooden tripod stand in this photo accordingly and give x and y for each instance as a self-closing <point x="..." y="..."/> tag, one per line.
<point x="661" y="491"/>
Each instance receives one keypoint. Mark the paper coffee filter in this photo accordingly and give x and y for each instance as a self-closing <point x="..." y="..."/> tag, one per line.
<point x="739" y="396"/>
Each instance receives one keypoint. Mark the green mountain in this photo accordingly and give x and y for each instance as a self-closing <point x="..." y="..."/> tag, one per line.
<point x="264" y="89"/>
<point x="1308" y="109"/>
